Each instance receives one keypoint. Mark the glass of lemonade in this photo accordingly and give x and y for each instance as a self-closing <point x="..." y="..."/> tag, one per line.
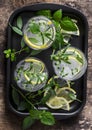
<point x="31" y="74"/>
<point x="39" y="33"/>
<point x="69" y="63"/>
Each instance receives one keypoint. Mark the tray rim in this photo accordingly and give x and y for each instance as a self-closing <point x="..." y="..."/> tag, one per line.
<point x="19" y="10"/>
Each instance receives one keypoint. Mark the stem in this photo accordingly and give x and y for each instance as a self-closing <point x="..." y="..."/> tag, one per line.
<point x="20" y="51"/>
<point x="24" y="97"/>
<point x="42" y="37"/>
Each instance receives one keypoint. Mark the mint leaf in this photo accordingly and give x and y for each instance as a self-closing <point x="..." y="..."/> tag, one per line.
<point x="27" y="122"/>
<point x="68" y="24"/>
<point x="35" y="52"/>
<point x="19" y="22"/>
<point x="34" y="114"/>
<point x="46" y="13"/>
<point x="17" y="30"/>
<point x="33" y="40"/>
<point x="57" y="15"/>
<point x="47" y="118"/>
<point x="15" y="96"/>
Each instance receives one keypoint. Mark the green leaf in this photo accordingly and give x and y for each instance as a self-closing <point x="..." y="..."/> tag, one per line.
<point x="17" y="30"/>
<point x="59" y="41"/>
<point x="35" y="52"/>
<point x="34" y="114"/>
<point x="46" y="98"/>
<point x="34" y="28"/>
<point x="46" y="13"/>
<point x="57" y="15"/>
<point x="47" y="118"/>
<point x="19" y="22"/>
<point x="27" y="49"/>
<point x="22" y="106"/>
<point x="15" y="96"/>
<point x="68" y="24"/>
<point x="72" y="96"/>
<point x="79" y="59"/>
<point x="13" y="56"/>
<point x="22" y="43"/>
<point x="27" y="122"/>
<point x="33" y="40"/>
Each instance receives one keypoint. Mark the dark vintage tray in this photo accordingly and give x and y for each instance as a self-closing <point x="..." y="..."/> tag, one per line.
<point x="80" y="42"/>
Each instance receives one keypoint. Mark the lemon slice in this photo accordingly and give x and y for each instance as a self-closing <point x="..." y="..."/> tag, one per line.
<point x="38" y="66"/>
<point x="58" y="103"/>
<point x="77" y="33"/>
<point x="64" y="92"/>
<point x="33" y="45"/>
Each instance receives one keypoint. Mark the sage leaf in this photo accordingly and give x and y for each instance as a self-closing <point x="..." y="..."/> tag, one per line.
<point x="22" y="43"/>
<point x="47" y="118"/>
<point x="46" y="13"/>
<point x="17" y="30"/>
<point x="27" y="122"/>
<point x="22" y="106"/>
<point x="35" y="52"/>
<point x="19" y="22"/>
<point x="15" y="96"/>
<point x="57" y="15"/>
<point x="68" y="24"/>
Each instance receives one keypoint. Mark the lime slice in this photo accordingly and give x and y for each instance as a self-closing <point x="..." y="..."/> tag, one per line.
<point x="65" y="93"/>
<point x="37" y="66"/>
<point x="58" y="103"/>
<point x="77" y="33"/>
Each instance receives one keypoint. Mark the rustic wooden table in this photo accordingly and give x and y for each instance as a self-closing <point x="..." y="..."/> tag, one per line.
<point x="9" y="121"/>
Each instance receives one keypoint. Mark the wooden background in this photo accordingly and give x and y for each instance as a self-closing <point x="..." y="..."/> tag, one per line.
<point x="9" y="121"/>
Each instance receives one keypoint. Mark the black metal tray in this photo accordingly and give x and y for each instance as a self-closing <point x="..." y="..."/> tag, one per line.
<point x="80" y="42"/>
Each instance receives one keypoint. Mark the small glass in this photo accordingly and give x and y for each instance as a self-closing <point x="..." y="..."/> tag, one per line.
<point x="31" y="74"/>
<point x="69" y="63"/>
<point x="39" y="33"/>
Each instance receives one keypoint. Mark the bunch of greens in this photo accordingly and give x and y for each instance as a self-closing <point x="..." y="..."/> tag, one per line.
<point x="60" y="22"/>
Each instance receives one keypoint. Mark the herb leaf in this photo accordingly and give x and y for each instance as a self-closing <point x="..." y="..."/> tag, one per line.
<point x="33" y="40"/>
<point x="79" y="59"/>
<point x="57" y="15"/>
<point x="35" y="52"/>
<point x="46" y="13"/>
<point x="34" y="114"/>
<point x="22" y="43"/>
<point x="15" y="97"/>
<point x="46" y="98"/>
<point x="47" y="118"/>
<point x="17" y="30"/>
<point x="27" y="122"/>
<point x="22" y="106"/>
<point x="68" y="24"/>
<point x="19" y="22"/>
<point x="34" y="28"/>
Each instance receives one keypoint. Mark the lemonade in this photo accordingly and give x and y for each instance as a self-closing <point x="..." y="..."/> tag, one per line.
<point x="69" y="63"/>
<point x="39" y="33"/>
<point x="31" y="74"/>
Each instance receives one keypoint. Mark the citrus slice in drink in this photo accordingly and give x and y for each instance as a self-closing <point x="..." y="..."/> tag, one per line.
<point x="39" y="33"/>
<point x="58" y="103"/>
<point x="36" y="65"/>
<point x="66" y="93"/>
<point x="77" y="33"/>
